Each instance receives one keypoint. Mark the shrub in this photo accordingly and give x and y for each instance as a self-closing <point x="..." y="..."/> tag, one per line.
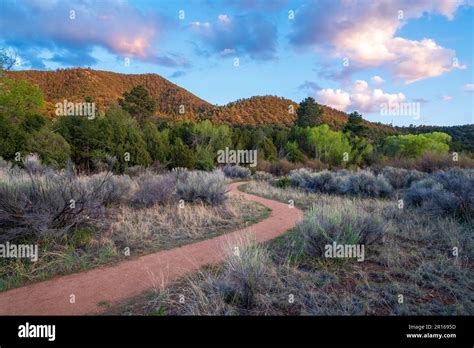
<point x="444" y="193"/>
<point x="47" y="204"/>
<point x="283" y="182"/>
<point x="154" y="189"/>
<point x="361" y="183"/>
<point x="401" y="178"/>
<point x="301" y="178"/>
<point x="32" y="164"/>
<point x="236" y="171"/>
<point x="431" y="163"/>
<point x="262" y="176"/>
<point x="245" y="274"/>
<point x="111" y="189"/>
<point x="202" y="186"/>
<point x="135" y="170"/>
<point x="279" y="168"/>
<point x="365" y="183"/>
<point x="346" y="225"/>
<point x="326" y="182"/>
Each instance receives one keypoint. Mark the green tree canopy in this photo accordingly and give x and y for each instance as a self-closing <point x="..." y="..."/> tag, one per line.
<point x="329" y="146"/>
<point x="355" y="125"/>
<point x="412" y="146"/>
<point x="182" y="156"/>
<point x="52" y="148"/>
<point x="138" y="103"/>
<point x="308" y="113"/>
<point x="293" y="153"/>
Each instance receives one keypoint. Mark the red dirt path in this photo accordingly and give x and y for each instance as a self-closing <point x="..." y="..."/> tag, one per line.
<point x="131" y="278"/>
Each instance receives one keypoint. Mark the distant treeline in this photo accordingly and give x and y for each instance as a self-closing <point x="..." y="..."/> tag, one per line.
<point x="132" y="134"/>
<point x="462" y="136"/>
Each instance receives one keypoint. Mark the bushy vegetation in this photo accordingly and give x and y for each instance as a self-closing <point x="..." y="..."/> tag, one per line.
<point x="347" y="225"/>
<point x="236" y="171"/>
<point x="444" y="193"/>
<point x="136" y="137"/>
<point x="401" y="178"/>
<point x="413" y="146"/>
<point x="405" y="253"/>
<point x="202" y="186"/>
<point x="361" y="183"/>
<point x="41" y="202"/>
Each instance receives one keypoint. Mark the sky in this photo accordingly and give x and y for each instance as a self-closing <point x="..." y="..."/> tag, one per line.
<point x="401" y="62"/>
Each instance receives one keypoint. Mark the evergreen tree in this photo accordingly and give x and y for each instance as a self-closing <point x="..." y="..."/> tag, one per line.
<point x="308" y="113"/>
<point x="355" y="125"/>
<point x="182" y="156"/>
<point x="138" y="103"/>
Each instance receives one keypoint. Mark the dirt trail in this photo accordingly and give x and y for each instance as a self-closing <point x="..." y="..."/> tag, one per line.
<point x="111" y="284"/>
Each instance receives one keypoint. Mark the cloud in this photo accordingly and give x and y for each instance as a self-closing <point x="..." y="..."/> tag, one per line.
<point x="72" y="29"/>
<point x="251" y="35"/>
<point x="364" y="32"/>
<point x="446" y="97"/>
<point x="469" y="87"/>
<point x="177" y="74"/>
<point x="309" y="85"/>
<point x="267" y="5"/>
<point x="359" y="97"/>
<point x="377" y="80"/>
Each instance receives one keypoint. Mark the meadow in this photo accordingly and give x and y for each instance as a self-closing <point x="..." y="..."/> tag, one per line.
<point x="418" y="258"/>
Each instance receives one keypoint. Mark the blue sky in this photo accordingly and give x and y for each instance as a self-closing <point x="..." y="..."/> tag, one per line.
<point x="352" y="55"/>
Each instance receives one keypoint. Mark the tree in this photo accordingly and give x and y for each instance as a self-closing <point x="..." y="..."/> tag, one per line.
<point x="362" y="150"/>
<point x="355" y="125"/>
<point x="21" y="113"/>
<point x="52" y="148"/>
<point x="266" y="150"/>
<point x="308" y="113"/>
<point x="182" y="156"/>
<point x="413" y="146"/>
<point x="7" y="60"/>
<point x="138" y="103"/>
<point x="329" y="146"/>
<point x="204" y="158"/>
<point x="123" y="139"/>
<point x="84" y="137"/>
<point x="217" y="137"/>
<point x="19" y="98"/>
<point x="293" y="153"/>
<point x="301" y="136"/>
<point x="157" y="143"/>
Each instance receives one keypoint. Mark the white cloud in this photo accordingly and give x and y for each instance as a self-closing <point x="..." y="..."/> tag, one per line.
<point x="360" y="97"/>
<point x="446" y="97"/>
<point x="365" y="33"/>
<point x="377" y="80"/>
<point x="335" y="98"/>
<point x="224" y="18"/>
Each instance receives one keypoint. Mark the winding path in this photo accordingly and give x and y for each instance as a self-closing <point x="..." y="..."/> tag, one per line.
<point x="112" y="284"/>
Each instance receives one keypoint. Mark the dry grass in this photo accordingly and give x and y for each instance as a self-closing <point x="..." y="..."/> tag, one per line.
<point x="142" y="230"/>
<point x="415" y="259"/>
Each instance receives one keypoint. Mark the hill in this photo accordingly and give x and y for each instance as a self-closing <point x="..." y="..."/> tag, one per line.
<point x="105" y="87"/>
